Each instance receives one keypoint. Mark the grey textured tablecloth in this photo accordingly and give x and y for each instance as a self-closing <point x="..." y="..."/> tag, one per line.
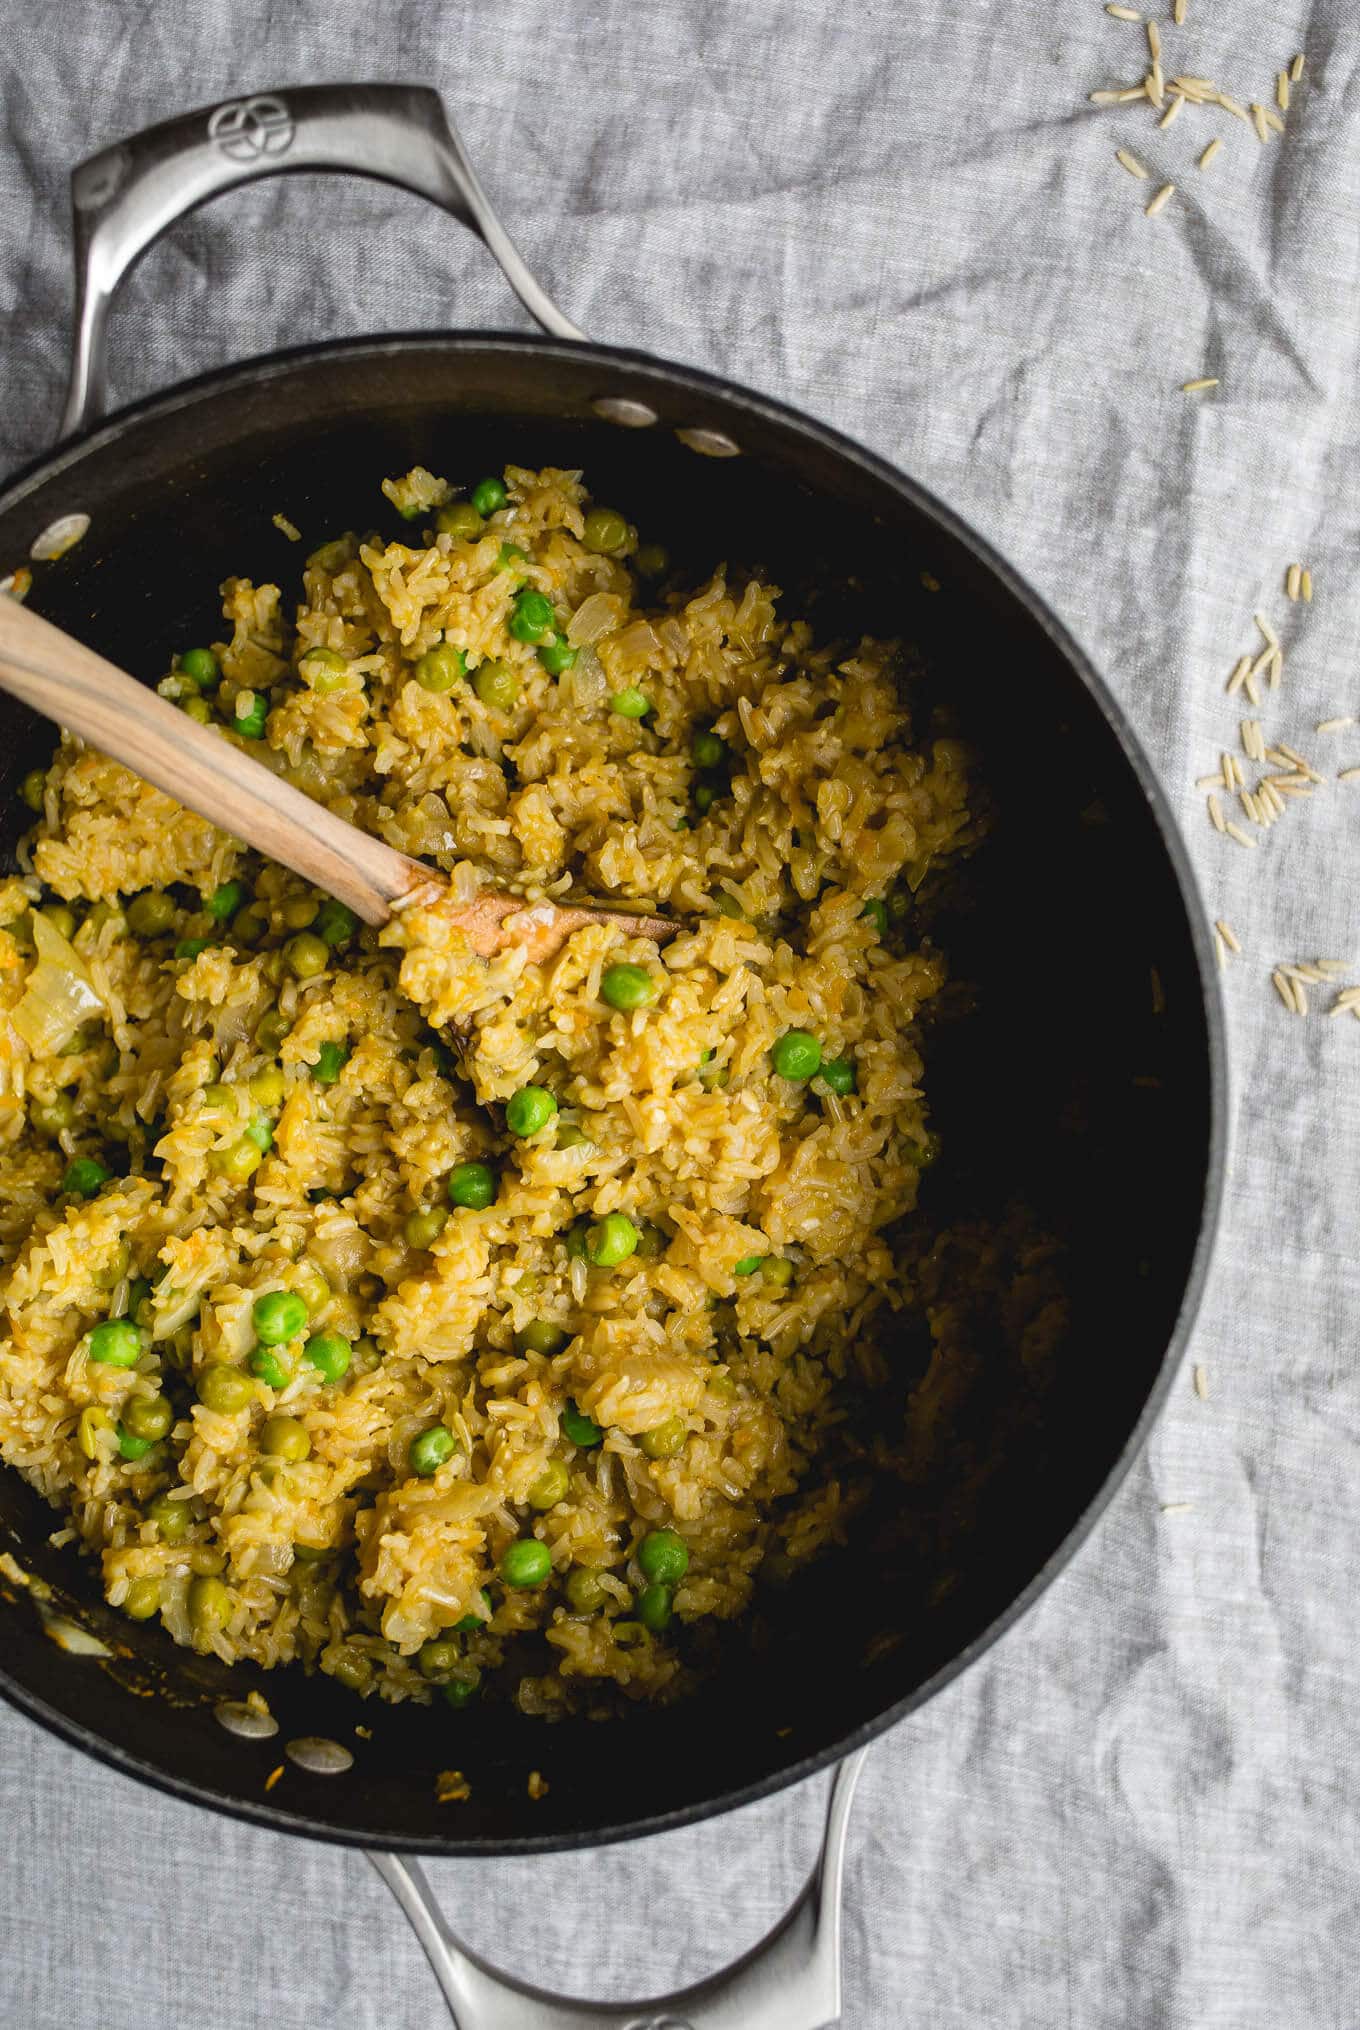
<point x="1141" y="1810"/>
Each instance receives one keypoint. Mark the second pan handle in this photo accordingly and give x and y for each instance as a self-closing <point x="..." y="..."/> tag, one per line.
<point x="125" y="197"/>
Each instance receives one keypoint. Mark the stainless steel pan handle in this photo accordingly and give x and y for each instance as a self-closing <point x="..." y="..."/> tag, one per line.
<point x="791" y="1980"/>
<point x="124" y="198"/>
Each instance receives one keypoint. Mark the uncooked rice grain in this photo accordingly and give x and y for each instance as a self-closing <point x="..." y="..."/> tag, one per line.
<point x="1173" y="110"/>
<point x="1163" y="197"/>
<point x="1334" y="725"/>
<point x="1198" y="387"/>
<point x="1213" y="148"/>
<point x="1228" y="935"/>
<point x="1130" y="162"/>
<point x="1292" y="579"/>
<point x="1235" y="832"/>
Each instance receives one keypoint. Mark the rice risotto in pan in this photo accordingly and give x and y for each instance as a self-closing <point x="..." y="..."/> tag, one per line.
<point x="464" y="1326"/>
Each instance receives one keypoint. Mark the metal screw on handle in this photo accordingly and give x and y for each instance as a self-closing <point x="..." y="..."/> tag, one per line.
<point x="125" y="197"/>
<point x="791" y="1980"/>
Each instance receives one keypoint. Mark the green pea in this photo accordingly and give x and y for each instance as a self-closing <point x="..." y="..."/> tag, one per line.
<point x="260" y="1133"/>
<point x="441" y="667"/>
<point x="727" y="905"/>
<point x="201" y="667"/>
<point x="209" y="1605"/>
<point x="148" y="1417"/>
<point x="250" y="924"/>
<point x="626" y="987"/>
<point x="224" y="902"/>
<point x="217" y="1095"/>
<point x="115" y="1343"/>
<point x="306" y="955"/>
<point x="585" y="1594"/>
<point x="278" y="1316"/>
<point x="331" y="1061"/>
<point x="421" y="1229"/>
<point x="708" y="750"/>
<point x="472" y="1184"/>
<point x="663" y="1441"/>
<point x="267" y="1086"/>
<point x="172" y="1518"/>
<point x="663" y="1556"/>
<point x="224" y="1390"/>
<point x="630" y="703"/>
<point x="748" y="1265"/>
<point x="468" y="1624"/>
<point x="311" y="1554"/>
<point x="531" y="616"/>
<point x="190" y="947"/>
<point x="142" y="1599"/>
<point x="33" y="789"/>
<point x="329" y="1353"/>
<point x="839" y="1074"/>
<point x="496" y="685"/>
<point x="271" y="1030"/>
<point x="653" y="1240"/>
<point x="582" y="1430"/>
<point x="654" y="1608"/>
<point x="557" y="655"/>
<point x="705" y="796"/>
<point x="540" y="1336"/>
<point x="777" y="1271"/>
<point x="487" y="496"/>
<point x="509" y="555"/>
<point x="269" y="1365"/>
<point x="196" y="708"/>
<point x="460" y="518"/>
<point x="460" y="1691"/>
<point x="550" y="1486"/>
<point x="526" y="1562"/>
<point x="430" y="1448"/>
<point x="571" y="1136"/>
<point x="239" y="1160"/>
<point x="150" y="913"/>
<point x="285" y="1438"/>
<point x="335" y="924"/>
<point x="54" y="1116"/>
<point x="323" y="670"/>
<point x="62" y="919"/>
<point x="797" y="1055"/>
<point x="250" y="714"/>
<point x="131" y="1446"/>
<point x="652" y="560"/>
<point x="139" y="1292"/>
<point x="605" y="529"/>
<point x="529" y="1110"/>
<point x="611" y="1240"/>
<point x="299" y="912"/>
<point x="350" y="1668"/>
<point x="438" y="1657"/>
<point x="876" y="913"/>
<point x="85" y="1177"/>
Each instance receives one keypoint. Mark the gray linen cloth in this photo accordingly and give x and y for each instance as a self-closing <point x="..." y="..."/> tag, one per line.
<point x="1141" y="1809"/>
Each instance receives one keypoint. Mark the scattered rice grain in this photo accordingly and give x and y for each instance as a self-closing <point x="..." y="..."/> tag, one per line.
<point x="1283" y="989"/>
<point x="1291" y="581"/>
<point x="1163" y="197"/>
<point x="1207" y="157"/>
<point x="1253" y="746"/>
<point x="1229" y="936"/>
<point x="1296" y="68"/>
<point x="1177" y="1507"/>
<point x="1306" y="586"/>
<point x="1202" y="1382"/>
<point x="1197" y="387"/>
<point x="1130" y="162"/>
<point x="1267" y="630"/>
<point x="1258" y="116"/>
<point x="1348" y="774"/>
<point x="1333" y="725"/>
<point x="1154" y="36"/>
<point x="1173" y="110"/>
<point x="1231" y="106"/>
<point x="1282" y="91"/>
<point x="1235" y="832"/>
<point x="1122" y="13"/>
<point x="1216" y="814"/>
<point x="1239" y="675"/>
<point x="1272" y="120"/>
<point x="1178" y="12"/>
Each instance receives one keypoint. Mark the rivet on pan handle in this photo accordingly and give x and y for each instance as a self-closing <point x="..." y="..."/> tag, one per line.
<point x="791" y="1980"/>
<point x="125" y="197"/>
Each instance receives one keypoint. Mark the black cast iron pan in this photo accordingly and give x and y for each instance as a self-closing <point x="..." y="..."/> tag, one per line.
<point x="1089" y="1083"/>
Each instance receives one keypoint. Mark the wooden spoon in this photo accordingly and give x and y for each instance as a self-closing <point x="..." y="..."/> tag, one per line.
<point x="60" y="677"/>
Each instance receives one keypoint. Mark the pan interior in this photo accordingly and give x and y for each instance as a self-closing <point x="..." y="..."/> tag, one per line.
<point x="1080" y="1087"/>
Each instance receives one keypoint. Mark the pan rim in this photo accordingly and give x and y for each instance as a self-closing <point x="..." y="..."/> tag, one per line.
<point x="151" y="408"/>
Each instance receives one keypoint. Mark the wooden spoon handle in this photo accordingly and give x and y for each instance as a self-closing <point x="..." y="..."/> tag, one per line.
<point x="68" y="682"/>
